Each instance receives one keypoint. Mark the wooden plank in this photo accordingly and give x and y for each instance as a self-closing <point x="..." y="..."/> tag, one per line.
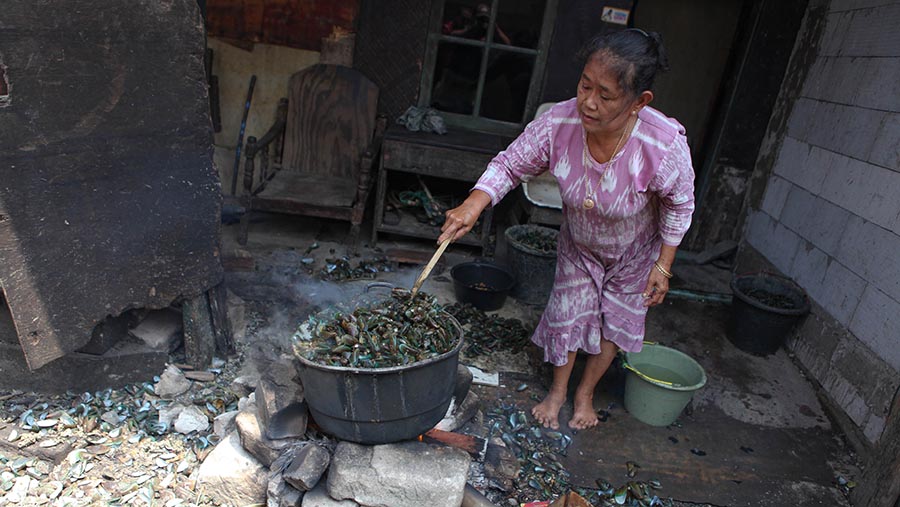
<point x="435" y="161"/>
<point x="106" y="203"/>
<point x="199" y="338"/>
<point x="880" y="483"/>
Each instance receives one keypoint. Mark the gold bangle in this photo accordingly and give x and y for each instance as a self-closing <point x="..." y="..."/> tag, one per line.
<point x="666" y="273"/>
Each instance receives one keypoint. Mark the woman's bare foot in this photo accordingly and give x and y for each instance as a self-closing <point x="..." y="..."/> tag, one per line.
<point x="584" y="416"/>
<point x="547" y="411"/>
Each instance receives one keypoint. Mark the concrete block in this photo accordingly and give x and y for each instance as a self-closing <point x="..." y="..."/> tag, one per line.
<point x="871" y="32"/>
<point x="803" y="165"/>
<point x="877" y="86"/>
<point x="842" y="292"/>
<point x="848" y="5"/>
<point x="886" y="150"/>
<point x="815" y="219"/>
<point x="851" y="131"/>
<point x="775" y="241"/>
<point x="856" y="408"/>
<point x="808" y="270"/>
<point x="836" y="26"/>
<point x="871" y="251"/>
<point x="802" y="118"/>
<point x="823" y="124"/>
<point x="815" y="343"/>
<point x="877" y="324"/>
<point x="863" y="367"/>
<point x="845" y="395"/>
<point x="873" y="428"/>
<point x="777" y="190"/>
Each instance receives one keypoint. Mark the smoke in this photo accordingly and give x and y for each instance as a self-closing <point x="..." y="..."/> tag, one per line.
<point x="295" y="295"/>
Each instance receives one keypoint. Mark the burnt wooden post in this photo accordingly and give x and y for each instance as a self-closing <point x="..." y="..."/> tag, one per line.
<point x="218" y="309"/>
<point x="199" y="338"/>
<point x="880" y="484"/>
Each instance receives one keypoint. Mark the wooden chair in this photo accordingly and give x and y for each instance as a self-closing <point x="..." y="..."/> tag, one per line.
<point x="326" y="138"/>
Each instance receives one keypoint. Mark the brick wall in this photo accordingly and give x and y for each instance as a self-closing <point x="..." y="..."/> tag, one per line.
<point x="830" y="214"/>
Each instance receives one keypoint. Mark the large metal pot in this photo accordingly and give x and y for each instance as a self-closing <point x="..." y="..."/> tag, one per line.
<point x="381" y="405"/>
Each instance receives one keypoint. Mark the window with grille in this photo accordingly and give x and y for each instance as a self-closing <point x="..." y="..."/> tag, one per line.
<point x="484" y="61"/>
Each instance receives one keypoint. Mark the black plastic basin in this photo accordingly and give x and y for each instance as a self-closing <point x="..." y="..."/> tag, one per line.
<point x="381" y="405"/>
<point x="482" y="284"/>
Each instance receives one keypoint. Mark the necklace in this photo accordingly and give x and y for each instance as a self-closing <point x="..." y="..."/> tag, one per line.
<point x="589" y="202"/>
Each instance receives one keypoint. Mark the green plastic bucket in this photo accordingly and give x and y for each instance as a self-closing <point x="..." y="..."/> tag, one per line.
<point x="660" y="382"/>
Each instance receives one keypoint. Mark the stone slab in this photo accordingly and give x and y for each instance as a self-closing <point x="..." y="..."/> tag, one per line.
<point x="407" y="474"/>
<point x="318" y="497"/>
<point x="255" y="442"/>
<point x="307" y="467"/>
<point x="231" y="476"/>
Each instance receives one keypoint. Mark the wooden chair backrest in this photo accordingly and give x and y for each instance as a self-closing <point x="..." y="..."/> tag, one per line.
<point x="330" y="120"/>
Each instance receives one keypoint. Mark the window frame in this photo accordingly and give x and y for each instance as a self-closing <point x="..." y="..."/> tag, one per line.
<point x="475" y="121"/>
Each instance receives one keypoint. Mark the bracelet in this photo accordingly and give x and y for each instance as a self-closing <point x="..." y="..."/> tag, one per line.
<point x="666" y="273"/>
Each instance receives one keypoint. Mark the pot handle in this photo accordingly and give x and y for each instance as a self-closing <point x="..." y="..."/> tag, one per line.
<point x="643" y="375"/>
<point x="379" y="285"/>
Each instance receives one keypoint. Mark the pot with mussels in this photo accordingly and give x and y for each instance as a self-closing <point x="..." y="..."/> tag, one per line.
<point x="381" y="372"/>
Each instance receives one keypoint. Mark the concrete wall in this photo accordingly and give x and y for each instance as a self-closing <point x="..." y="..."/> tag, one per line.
<point x="273" y="66"/>
<point x="830" y="214"/>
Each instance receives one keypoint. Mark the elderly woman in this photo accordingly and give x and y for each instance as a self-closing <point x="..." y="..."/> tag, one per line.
<point x="626" y="181"/>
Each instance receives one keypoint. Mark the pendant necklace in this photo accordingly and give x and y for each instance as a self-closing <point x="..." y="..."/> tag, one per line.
<point x="589" y="202"/>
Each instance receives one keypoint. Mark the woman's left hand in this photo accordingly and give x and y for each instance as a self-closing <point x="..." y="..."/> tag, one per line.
<point x="657" y="287"/>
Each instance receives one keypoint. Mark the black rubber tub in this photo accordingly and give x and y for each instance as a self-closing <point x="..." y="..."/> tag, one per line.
<point x="482" y="284"/>
<point x="764" y="310"/>
<point x="383" y="405"/>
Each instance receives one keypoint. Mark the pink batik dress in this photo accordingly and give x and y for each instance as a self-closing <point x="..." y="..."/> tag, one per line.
<point x="644" y="199"/>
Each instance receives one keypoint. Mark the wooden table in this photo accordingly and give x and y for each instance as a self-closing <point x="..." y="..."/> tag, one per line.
<point x="460" y="155"/>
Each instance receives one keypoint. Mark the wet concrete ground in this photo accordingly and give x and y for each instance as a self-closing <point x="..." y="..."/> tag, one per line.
<point x="766" y="438"/>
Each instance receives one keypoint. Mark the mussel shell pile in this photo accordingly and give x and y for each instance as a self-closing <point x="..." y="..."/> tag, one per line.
<point x="543" y="242"/>
<point x="340" y="269"/>
<point x="487" y="333"/>
<point x="399" y="331"/>
<point x="538" y="450"/>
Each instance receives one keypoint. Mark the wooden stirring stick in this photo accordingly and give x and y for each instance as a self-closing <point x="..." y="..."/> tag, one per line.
<point x="428" y="268"/>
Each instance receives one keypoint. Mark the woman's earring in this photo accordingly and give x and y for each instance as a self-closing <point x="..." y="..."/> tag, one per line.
<point x="634" y="112"/>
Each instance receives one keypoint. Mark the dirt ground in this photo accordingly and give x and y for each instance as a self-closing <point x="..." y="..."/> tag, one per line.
<point x="756" y="435"/>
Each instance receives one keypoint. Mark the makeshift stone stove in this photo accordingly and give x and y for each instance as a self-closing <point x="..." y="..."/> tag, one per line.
<point x="270" y="453"/>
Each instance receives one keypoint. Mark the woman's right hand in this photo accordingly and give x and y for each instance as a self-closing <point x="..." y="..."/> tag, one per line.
<point x="461" y="219"/>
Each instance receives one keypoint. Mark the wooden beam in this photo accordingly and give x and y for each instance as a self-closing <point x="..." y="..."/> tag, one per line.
<point x="473" y="445"/>
<point x="880" y="483"/>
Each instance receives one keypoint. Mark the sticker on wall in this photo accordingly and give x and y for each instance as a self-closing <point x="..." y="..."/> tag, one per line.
<point x="615" y="16"/>
<point x="5" y="87"/>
